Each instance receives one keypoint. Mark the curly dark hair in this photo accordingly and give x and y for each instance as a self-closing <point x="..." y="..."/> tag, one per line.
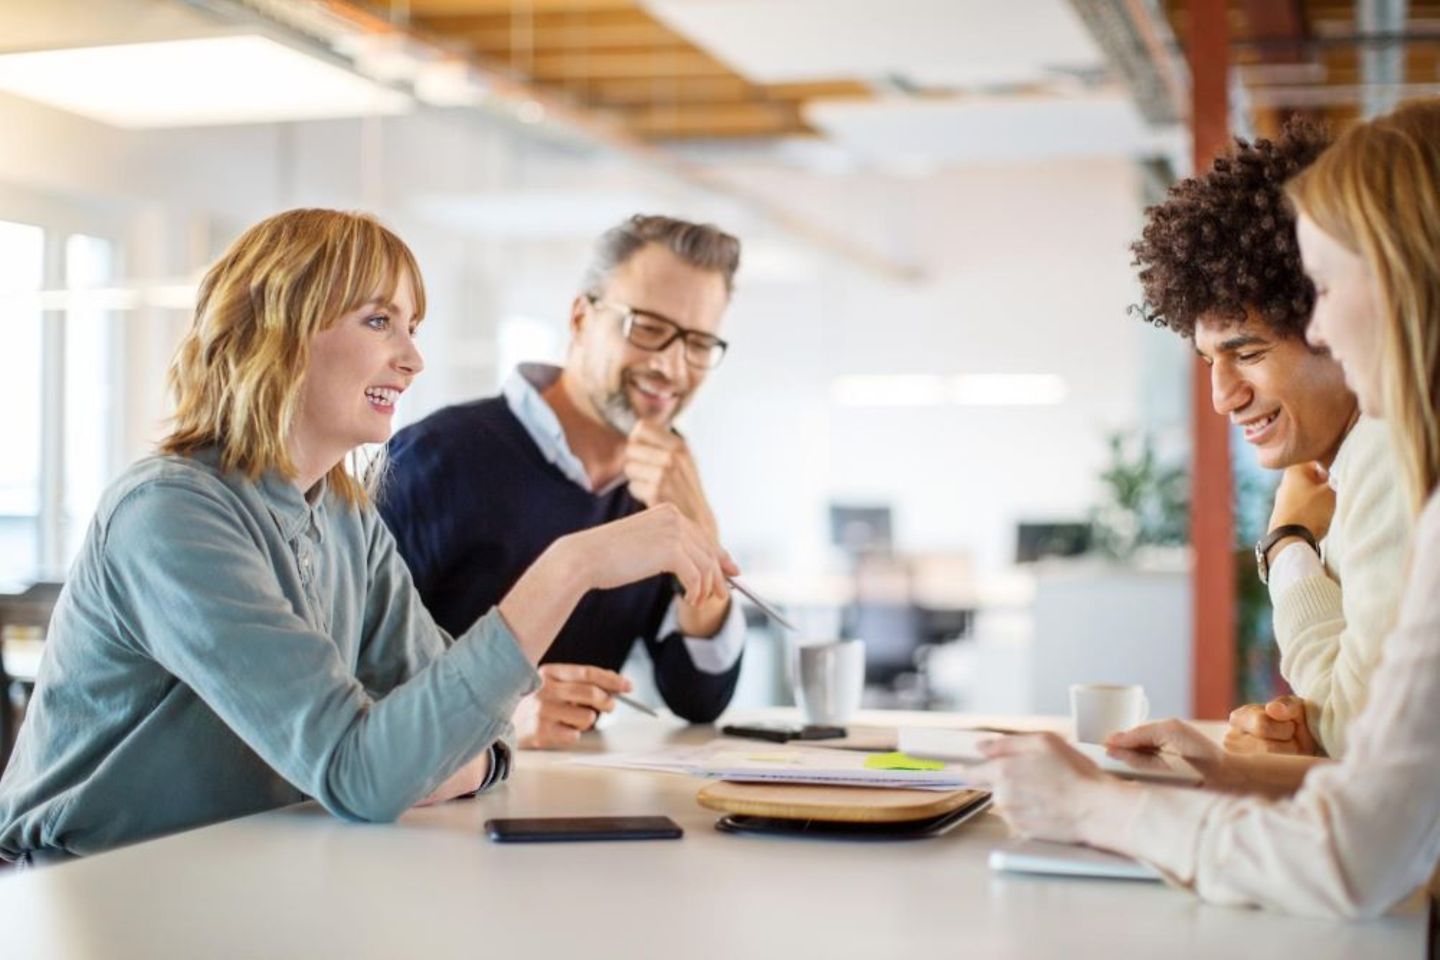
<point x="1223" y="245"/>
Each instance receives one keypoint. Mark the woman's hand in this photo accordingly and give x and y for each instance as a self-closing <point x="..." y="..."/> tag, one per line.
<point x="1043" y="787"/>
<point x="1304" y="497"/>
<point x="1269" y="773"/>
<point x="464" y="781"/>
<point x="1176" y="736"/>
<point x="661" y="539"/>
<point x="1280" y="726"/>
<point x="655" y="541"/>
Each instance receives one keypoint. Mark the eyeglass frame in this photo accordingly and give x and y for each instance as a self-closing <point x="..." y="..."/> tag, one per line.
<point x="679" y="332"/>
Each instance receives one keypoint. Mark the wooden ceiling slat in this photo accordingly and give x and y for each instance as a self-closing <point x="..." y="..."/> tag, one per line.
<point x="681" y="91"/>
<point x="584" y="65"/>
<point x="538" y="20"/>
<point x="738" y="120"/>
<point x="1264" y="34"/>
<point x="613" y="55"/>
<point x="633" y="92"/>
<point x="430" y="8"/>
<point x="608" y="38"/>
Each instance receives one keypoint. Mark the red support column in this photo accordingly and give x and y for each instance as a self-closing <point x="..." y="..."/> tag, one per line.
<point x="1212" y="521"/>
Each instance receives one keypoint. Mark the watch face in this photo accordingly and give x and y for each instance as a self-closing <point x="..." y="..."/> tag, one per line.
<point x="1260" y="566"/>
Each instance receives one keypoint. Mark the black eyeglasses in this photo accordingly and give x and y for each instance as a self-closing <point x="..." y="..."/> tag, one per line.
<point x="650" y="331"/>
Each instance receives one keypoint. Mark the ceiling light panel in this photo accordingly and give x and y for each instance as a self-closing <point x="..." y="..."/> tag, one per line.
<point x="200" y="82"/>
<point x="936" y="43"/>
<point x="988" y="130"/>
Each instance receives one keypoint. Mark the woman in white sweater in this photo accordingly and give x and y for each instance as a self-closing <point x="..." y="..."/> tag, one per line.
<point x="1349" y="838"/>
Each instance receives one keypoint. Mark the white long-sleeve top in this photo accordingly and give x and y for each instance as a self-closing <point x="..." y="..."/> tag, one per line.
<point x="1361" y="834"/>
<point x="1330" y="619"/>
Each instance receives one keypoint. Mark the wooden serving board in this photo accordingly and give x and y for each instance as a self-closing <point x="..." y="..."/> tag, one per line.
<point x="801" y="801"/>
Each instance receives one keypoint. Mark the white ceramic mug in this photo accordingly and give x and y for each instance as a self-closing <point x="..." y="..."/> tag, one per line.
<point x="829" y="680"/>
<point x="1100" y="709"/>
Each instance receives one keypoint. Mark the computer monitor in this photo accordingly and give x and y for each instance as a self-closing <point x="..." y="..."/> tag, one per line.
<point x="861" y="529"/>
<point x="1034" y="541"/>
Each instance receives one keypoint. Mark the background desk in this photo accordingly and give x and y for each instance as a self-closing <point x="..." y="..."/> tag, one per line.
<point x="299" y="883"/>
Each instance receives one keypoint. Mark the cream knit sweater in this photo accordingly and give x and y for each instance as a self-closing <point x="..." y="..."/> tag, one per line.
<point x="1329" y="625"/>
<point x="1360" y="834"/>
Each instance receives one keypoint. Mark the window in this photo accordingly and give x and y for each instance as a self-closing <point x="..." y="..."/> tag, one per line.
<point x="22" y="274"/>
<point x="59" y="429"/>
<point x="91" y="388"/>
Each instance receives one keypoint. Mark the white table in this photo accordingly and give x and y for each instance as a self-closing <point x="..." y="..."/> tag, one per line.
<point x="299" y="883"/>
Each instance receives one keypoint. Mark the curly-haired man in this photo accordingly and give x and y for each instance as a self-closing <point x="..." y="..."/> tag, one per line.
<point x="1220" y="266"/>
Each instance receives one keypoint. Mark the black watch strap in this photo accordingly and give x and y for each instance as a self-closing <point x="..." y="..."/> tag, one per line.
<point x="1262" y="549"/>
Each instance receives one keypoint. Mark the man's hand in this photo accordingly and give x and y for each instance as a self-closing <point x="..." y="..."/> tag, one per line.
<point x="660" y="469"/>
<point x="1304" y="497"/>
<point x="1275" y="727"/>
<point x="570" y="699"/>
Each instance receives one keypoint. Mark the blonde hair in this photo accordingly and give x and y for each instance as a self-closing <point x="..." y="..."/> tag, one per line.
<point x="1377" y="192"/>
<point x="238" y="373"/>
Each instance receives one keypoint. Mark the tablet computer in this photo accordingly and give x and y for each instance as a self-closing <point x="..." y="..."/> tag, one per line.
<point x="1068" y="860"/>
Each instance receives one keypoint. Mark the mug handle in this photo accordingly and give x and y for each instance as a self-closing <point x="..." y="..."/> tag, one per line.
<point x="1144" y="708"/>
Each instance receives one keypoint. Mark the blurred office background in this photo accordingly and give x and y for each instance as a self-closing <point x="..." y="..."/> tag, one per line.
<point x="939" y="427"/>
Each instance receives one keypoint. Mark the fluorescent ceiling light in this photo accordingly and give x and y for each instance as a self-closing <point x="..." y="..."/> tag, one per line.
<point x="1007" y="389"/>
<point x="929" y="390"/>
<point x="534" y="214"/>
<point x="450" y="83"/>
<point x="888" y="390"/>
<point x="182" y="83"/>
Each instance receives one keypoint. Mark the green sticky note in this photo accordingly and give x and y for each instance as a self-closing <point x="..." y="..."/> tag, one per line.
<point x="900" y="761"/>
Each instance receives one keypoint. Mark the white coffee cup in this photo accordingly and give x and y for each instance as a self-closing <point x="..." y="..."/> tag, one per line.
<point x="1100" y="709"/>
<point x="829" y="680"/>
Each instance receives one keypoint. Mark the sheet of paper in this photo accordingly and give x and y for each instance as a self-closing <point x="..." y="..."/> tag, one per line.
<point x="782" y="763"/>
<point x="944" y="744"/>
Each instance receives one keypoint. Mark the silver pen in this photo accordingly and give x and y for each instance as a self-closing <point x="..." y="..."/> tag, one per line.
<point x="768" y="610"/>
<point x="634" y="704"/>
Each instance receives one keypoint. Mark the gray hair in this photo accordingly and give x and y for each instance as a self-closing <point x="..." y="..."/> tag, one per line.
<point x="701" y="245"/>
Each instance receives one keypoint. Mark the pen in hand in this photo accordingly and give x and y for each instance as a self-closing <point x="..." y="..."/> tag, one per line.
<point x="634" y="704"/>
<point x="764" y="605"/>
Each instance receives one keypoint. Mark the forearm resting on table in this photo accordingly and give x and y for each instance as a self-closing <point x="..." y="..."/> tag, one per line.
<point x="1276" y="775"/>
<point x="1111" y="804"/>
<point x="465" y="780"/>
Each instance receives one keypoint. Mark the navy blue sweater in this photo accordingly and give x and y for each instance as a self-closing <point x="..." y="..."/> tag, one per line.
<point x="473" y="502"/>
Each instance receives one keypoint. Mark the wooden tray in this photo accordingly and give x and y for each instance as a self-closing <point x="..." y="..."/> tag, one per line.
<point x="789" y="801"/>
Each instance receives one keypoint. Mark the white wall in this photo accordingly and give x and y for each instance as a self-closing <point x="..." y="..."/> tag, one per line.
<point x="1023" y="269"/>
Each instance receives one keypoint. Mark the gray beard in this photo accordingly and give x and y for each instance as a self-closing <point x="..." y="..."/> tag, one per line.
<point x="615" y="409"/>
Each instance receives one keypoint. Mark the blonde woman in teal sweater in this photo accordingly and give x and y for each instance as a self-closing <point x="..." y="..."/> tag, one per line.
<point x="238" y="632"/>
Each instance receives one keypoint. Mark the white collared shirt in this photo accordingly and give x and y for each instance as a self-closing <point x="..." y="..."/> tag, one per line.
<point x="522" y="392"/>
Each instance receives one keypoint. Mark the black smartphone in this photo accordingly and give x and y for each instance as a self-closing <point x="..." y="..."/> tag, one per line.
<point x="559" y="829"/>
<point x="782" y="732"/>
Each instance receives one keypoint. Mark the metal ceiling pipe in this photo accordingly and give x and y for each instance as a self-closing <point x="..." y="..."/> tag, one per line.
<point x="1382" y="65"/>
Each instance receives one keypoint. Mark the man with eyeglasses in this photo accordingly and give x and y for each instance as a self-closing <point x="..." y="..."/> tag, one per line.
<point x="475" y="492"/>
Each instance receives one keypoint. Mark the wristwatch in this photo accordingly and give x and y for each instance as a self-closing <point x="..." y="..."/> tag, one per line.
<point x="1262" y="548"/>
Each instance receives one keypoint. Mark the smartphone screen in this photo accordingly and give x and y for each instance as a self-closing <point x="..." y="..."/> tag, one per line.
<point x="557" y="829"/>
